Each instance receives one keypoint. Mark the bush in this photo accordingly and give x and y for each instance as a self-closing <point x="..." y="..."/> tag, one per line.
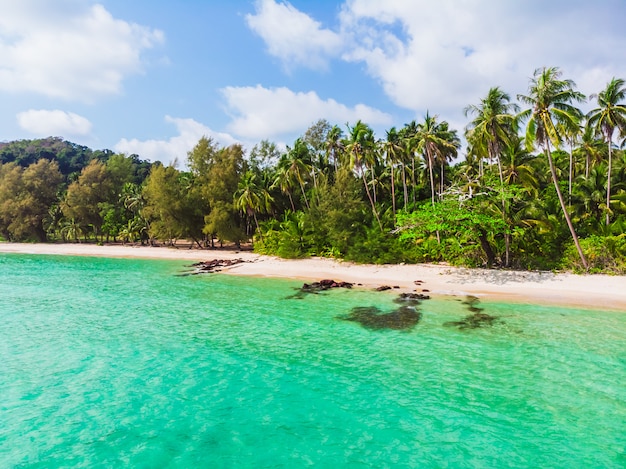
<point x="605" y="254"/>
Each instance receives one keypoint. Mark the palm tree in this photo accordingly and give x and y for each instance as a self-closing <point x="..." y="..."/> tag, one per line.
<point x="436" y="142"/>
<point x="550" y="99"/>
<point x="393" y="151"/>
<point x="591" y="148"/>
<point x="334" y="145"/>
<point x="252" y="197"/>
<point x="610" y="114"/>
<point x="293" y="167"/>
<point x="408" y="133"/>
<point x="517" y="167"/>
<point x="494" y="125"/>
<point x="361" y="149"/>
<point x="493" y="128"/>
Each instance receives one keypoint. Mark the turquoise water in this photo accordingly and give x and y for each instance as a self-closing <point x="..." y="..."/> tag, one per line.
<point x="122" y="363"/>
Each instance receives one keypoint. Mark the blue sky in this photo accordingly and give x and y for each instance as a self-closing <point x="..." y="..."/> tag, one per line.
<point x="153" y="76"/>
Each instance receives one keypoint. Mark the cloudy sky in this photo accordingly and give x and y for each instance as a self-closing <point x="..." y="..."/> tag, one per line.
<point x="153" y="76"/>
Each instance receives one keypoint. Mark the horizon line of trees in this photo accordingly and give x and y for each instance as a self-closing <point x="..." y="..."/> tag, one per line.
<point x="543" y="185"/>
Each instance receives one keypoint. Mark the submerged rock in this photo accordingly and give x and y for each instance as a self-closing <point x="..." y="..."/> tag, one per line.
<point x="477" y="319"/>
<point x="370" y="317"/>
<point x="474" y="321"/>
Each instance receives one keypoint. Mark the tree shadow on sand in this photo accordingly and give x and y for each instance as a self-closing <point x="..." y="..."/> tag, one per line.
<point x="499" y="277"/>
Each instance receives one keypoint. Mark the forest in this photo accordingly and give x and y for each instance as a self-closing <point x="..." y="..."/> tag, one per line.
<point x="540" y="185"/>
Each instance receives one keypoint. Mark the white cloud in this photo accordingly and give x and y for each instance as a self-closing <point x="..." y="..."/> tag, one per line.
<point x="69" y="50"/>
<point x="445" y="55"/>
<point x="260" y="112"/>
<point x="293" y="36"/>
<point x="58" y="123"/>
<point x="173" y="148"/>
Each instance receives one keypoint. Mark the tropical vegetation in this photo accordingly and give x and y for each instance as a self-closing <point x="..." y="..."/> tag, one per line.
<point x="541" y="185"/>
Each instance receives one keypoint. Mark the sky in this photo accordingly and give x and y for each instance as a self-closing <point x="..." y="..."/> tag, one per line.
<point x="152" y="77"/>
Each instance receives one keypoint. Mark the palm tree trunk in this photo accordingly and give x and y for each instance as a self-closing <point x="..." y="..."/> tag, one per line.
<point x="608" y="182"/>
<point x="393" y="196"/>
<point x="405" y="192"/>
<point x="507" y="236"/>
<point x="571" y="171"/>
<point x="567" y="217"/>
<point x="432" y="187"/>
<point x="306" y="201"/>
<point x="369" y="196"/>
<point x="256" y="222"/>
<point x="432" y="179"/>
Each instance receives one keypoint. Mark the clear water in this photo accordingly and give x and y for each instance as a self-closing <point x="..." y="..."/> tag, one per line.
<point x="121" y="363"/>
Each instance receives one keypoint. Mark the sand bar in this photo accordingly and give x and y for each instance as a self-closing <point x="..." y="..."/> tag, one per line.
<point x="592" y="291"/>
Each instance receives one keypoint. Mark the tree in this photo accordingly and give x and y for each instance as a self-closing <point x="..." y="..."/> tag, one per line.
<point x="26" y="196"/>
<point x="435" y="141"/>
<point x="608" y="116"/>
<point x="173" y="205"/>
<point x="393" y="152"/>
<point x="551" y="99"/>
<point x="297" y="164"/>
<point x="85" y="196"/>
<point x="218" y="189"/>
<point x="334" y="145"/>
<point x="493" y="128"/>
<point x="361" y="147"/>
<point x="251" y="197"/>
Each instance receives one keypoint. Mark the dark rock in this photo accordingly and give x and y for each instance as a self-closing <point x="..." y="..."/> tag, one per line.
<point x="403" y="318"/>
<point x="317" y="287"/>
<point x="214" y="265"/>
<point x="477" y="319"/>
<point x="383" y="288"/>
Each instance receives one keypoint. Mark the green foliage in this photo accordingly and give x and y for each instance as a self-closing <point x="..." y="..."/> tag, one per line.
<point x="605" y="254"/>
<point x="26" y="196"/>
<point x="173" y="206"/>
<point x="464" y="227"/>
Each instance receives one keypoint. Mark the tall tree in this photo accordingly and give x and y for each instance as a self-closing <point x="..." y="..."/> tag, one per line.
<point x="551" y="100"/>
<point x="85" y="197"/>
<point x="334" y="145"/>
<point x="251" y="197"/>
<point x="436" y="142"/>
<point x="361" y="147"/>
<point x="492" y="129"/>
<point x="298" y="166"/>
<point x="393" y="152"/>
<point x="26" y="197"/>
<point x="608" y="116"/>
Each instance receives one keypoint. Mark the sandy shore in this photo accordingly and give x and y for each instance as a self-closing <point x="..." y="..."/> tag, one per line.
<point x="593" y="291"/>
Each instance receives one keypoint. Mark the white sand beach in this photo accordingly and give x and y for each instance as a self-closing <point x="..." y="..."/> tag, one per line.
<point x="593" y="291"/>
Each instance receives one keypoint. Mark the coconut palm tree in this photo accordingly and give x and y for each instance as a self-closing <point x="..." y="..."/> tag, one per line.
<point x="393" y="152"/>
<point x="252" y="197"/>
<point x="608" y="116"/>
<point x="334" y="145"/>
<point x="493" y="127"/>
<point x="591" y="148"/>
<point x="436" y="142"/>
<point x="294" y="166"/>
<point x="494" y="124"/>
<point x="361" y="148"/>
<point x="550" y="99"/>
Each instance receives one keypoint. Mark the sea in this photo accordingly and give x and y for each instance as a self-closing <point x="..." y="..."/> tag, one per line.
<point x="108" y="363"/>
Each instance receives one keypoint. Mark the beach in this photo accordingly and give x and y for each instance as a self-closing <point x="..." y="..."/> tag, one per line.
<point x="590" y="291"/>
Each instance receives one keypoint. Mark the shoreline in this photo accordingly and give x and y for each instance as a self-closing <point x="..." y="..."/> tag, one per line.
<point x="589" y="291"/>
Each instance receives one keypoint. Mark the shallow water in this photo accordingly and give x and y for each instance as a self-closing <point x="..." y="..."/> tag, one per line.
<point x="122" y="363"/>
